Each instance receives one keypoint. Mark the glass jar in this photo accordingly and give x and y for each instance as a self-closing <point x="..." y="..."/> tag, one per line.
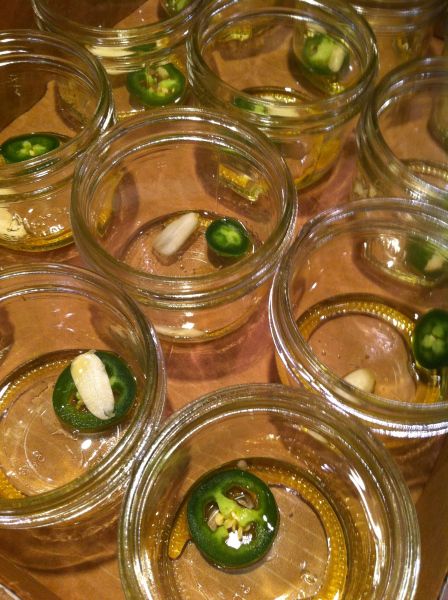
<point x="149" y="173"/>
<point x="343" y="308"/>
<point x="402" y="135"/>
<point x="48" y="85"/>
<point x="61" y="482"/>
<point x="403" y="28"/>
<point x="256" y="60"/>
<point x="140" y="43"/>
<point x="347" y="526"/>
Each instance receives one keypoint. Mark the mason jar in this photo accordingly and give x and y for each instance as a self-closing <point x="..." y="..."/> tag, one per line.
<point x="63" y="470"/>
<point x="343" y="311"/>
<point x="346" y="528"/>
<point x="402" y="135"/>
<point x="141" y="45"/>
<point x="403" y="28"/>
<point x="54" y="102"/>
<point x="299" y="71"/>
<point x="175" y="187"/>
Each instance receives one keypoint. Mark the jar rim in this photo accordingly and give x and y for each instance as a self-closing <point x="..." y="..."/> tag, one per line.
<point x="338" y="107"/>
<point x="370" y="141"/>
<point x="205" y="289"/>
<point x="292" y="404"/>
<point x="98" y="485"/>
<point x="120" y="37"/>
<point x="18" y="44"/>
<point x="386" y="417"/>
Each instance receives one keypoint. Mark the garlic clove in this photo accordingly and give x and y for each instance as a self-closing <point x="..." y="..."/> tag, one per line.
<point x="11" y="224"/>
<point x="363" y="379"/>
<point x="93" y="385"/>
<point x="175" y="234"/>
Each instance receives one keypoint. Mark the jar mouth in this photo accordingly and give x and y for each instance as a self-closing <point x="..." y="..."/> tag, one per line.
<point x="19" y="46"/>
<point x="384" y="416"/>
<point x="321" y="114"/>
<point x="174" y="25"/>
<point x="394" y="11"/>
<point x="205" y="289"/>
<point x="101" y="484"/>
<point x="347" y="439"/>
<point x="419" y="75"/>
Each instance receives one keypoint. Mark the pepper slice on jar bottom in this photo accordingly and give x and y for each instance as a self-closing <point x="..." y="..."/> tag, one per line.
<point x="227" y="237"/>
<point x="430" y="339"/>
<point x="232" y="518"/>
<point x="156" y="85"/>
<point x="24" y="147"/>
<point x="71" y="410"/>
<point x="277" y="473"/>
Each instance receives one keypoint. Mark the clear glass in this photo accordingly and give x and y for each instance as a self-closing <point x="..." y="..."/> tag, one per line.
<point x="403" y="28"/>
<point x="47" y="84"/>
<point x="129" y="36"/>
<point x="150" y="171"/>
<point x="347" y="297"/>
<point x="347" y="523"/>
<point x="247" y="58"/>
<point x="402" y="135"/>
<point x="60" y="487"/>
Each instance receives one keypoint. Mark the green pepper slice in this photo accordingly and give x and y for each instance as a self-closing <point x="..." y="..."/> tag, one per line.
<point x="227" y="237"/>
<point x="426" y="259"/>
<point x="156" y="85"/>
<point x="323" y="54"/>
<point x="23" y="147"/>
<point x="232" y="517"/>
<point x="72" y="411"/>
<point x="172" y="7"/>
<point x="430" y="339"/>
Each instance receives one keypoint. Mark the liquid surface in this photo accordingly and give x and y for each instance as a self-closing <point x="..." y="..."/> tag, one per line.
<point x="37" y="454"/>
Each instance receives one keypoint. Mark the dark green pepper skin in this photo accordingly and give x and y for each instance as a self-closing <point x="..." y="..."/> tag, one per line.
<point x="24" y="147"/>
<point x="418" y="256"/>
<point x="430" y="339"/>
<point x="317" y="54"/>
<point x="227" y="237"/>
<point x="67" y="406"/>
<point x="152" y="89"/>
<point x="261" y="522"/>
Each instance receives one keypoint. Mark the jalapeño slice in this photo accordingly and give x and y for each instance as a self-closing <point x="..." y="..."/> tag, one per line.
<point x="426" y="259"/>
<point x="232" y="517"/>
<point x="156" y="85"/>
<point x="227" y="237"/>
<point x="324" y="55"/>
<point x="23" y="147"/>
<point x="70" y="409"/>
<point x="430" y="339"/>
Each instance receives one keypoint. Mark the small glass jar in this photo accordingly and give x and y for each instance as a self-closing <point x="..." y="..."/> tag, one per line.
<point x="185" y="169"/>
<point x="402" y="135"/>
<point x="403" y="28"/>
<point x="260" y="62"/>
<point x="61" y="484"/>
<point x="343" y="308"/>
<point x="48" y="85"/>
<point x="141" y="45"/>
<point x="347" y="526"/>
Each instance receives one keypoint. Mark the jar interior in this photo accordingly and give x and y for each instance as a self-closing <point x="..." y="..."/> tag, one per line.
<point x="333" y="537"/>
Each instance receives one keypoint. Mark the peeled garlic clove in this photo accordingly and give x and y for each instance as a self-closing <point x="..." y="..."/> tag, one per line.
<point x="11" y="225"/>
<point x="93" y="385"/>
<point x="363" y="379"/>
<point x="174" y="236"/>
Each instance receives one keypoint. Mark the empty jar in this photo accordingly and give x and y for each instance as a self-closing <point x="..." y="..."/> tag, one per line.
<point x="141" y="45"/>
<point x="403" y="28"/>
<point x="190" y="211"/>
<point x="55" y="100"/>
<point x="402" y="135"/>
<point x="299" y="71"/>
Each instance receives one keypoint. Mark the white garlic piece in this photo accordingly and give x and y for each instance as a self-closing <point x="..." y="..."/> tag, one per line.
<point x="175" y="234"/>
<point x="11" y="224"/>
<point x="363" y="379"/>
<point x="93" y="385"/>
